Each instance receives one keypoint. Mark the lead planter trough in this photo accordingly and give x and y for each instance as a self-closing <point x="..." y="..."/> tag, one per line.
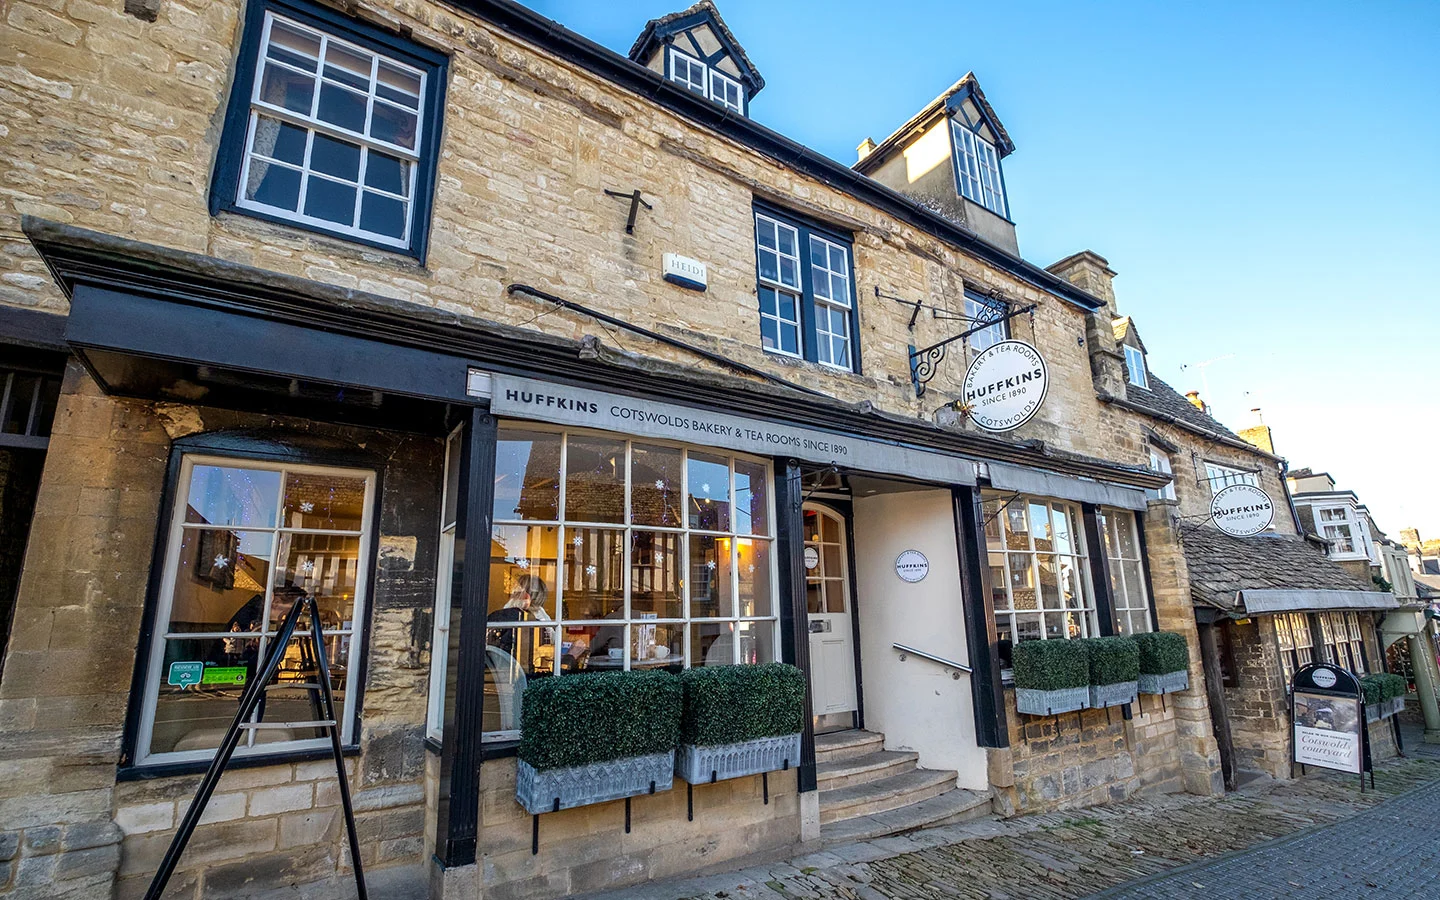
<point x="1034" y="702"/>
<point x="539" y="792"/>
<point x="701" y="765"/>
<point x="1167" y="683"/>
<point x="1103" y="695"/>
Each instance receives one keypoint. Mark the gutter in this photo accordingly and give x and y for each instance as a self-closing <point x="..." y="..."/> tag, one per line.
<point x="531" y="27"/>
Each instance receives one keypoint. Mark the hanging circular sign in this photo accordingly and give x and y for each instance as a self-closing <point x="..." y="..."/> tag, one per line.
<point x="1005" y="386"/>
<point x="1241" y="510"/>
<point x="812" y="558"/>
<point x="912" y="566"/>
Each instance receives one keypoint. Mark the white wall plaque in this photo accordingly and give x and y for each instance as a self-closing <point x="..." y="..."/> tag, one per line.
<point x="684" y="271"/>
<point x="1005" y="386"/>
<point x="912" y="566"/>
<point x="1242" y="510"/>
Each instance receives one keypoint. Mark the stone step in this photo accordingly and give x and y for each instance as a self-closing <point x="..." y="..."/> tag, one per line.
<point x="958" y="805"/>
<point x="839" y="745"/>
<point x="883" y="795"/>
<point x="862" y="769"/>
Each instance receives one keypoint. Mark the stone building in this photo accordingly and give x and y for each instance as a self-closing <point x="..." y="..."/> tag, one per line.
<point x="334" y="287"/>
<point x="1265" y="604"/>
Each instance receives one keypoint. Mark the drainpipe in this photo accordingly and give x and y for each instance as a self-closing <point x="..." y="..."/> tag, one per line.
<point x="1285" y="486"/>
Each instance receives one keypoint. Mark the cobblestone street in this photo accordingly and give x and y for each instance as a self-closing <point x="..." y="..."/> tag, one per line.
<point x="1243" y="845"/>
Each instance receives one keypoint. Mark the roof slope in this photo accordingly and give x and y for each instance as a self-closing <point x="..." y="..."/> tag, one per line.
<point x="1221" y="565"/>
<point x="1161" y="398"/>
<point x="928" y="112"/>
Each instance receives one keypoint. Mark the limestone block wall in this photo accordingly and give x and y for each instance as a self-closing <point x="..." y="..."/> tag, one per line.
<point x="113" y="123"/>
<point x="587" y="849"/>
<point x="67" y="824"/>
<point x="1257" y="702"/>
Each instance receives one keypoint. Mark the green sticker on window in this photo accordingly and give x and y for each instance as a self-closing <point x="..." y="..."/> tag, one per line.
<point x="224" y="675"/>
<point x="185" y="674"/>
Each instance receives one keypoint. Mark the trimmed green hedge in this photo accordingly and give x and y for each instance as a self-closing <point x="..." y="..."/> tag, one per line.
<point x="576" y="720"/>
<point x="1382" y="686"/>
<point x="1162" y="652"/>
<point x="730" y="704"/>
<point x="1113" y="660"/>
<point x="1050" y="665"/>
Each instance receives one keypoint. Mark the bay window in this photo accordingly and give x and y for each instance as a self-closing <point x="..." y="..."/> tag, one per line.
<point x="610" y="554"/>
<point x="1039" y="571"/>
<point x="246" y="539"/>
<point x="1341" y="529"/>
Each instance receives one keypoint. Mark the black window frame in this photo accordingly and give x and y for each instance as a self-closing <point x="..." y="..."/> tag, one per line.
<point x="807" y="227"/>
<point x="225" y="183"/>
<point x="240" y="446"/>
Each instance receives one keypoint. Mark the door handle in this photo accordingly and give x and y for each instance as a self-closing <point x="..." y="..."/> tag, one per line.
<point x="820" y="626"/>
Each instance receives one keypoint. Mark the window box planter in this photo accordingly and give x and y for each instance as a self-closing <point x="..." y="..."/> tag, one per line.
<point x="592" y="738"/>
<point x="1051" y="677"/>
<point x="1114" y="670"/>
<point x="1384" y="695"/>
<point x="740" y="720"/>
<point x="1164" y="662"/>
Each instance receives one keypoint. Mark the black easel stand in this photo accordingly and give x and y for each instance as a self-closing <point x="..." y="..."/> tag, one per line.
<point x="254" y="693"/>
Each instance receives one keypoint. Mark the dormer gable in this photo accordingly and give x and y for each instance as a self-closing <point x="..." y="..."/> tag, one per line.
<point x="696" y="50"/>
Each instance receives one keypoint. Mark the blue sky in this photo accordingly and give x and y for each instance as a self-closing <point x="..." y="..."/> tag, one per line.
<point x="1264" y="177"/>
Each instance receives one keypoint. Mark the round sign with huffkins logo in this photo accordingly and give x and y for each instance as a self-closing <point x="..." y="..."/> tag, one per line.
<point x="1005" y="386"/>
<point x="912" y="566"/>
<point x="1241" y="510"/>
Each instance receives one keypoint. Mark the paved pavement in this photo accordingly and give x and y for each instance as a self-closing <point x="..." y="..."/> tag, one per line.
<point x="1317" y="837"/>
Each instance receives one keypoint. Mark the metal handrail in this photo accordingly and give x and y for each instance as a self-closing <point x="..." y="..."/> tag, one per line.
<point x="904" y="651"/>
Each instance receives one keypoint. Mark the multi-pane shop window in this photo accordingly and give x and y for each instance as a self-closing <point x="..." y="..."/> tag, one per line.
<point x="249" y="538"/>
<point x="1223" y="476"/>
<point x="1127" y="571"/>
<point x="1038" y="571"/>
<point x="1160" y="462"/>
<point x="1293" y="639"/>
<point x="444" y="575"/>
<point x="334" y="127"/>
<point x="807" y="300"/>
<point x="612" y="554"/>
<point x="1343" y="641"/>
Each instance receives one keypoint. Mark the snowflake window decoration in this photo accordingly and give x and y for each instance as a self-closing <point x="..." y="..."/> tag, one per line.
<point x="577" y="540"/>
<point x="710" y="564"/>
<point x="307" y="566"/>
<point x="659" y="484"/>
<point x="523" y="562"/>
<point x="591" y="570"/>
<point x="705" y="488"/>
<point x="307" y="507"/>
<point x="220" y="562"/>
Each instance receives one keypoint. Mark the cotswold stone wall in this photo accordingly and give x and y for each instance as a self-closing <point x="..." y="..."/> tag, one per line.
<point x="1258" y="705"/>
<point x="113" y="123"/>
<point x="72" y="829"/>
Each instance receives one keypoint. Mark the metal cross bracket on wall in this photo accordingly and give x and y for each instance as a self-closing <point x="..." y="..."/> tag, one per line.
<point x="923" y="362"/>
<point x="635" y="204"/>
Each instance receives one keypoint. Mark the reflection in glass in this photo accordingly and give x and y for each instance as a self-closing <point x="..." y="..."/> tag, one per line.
<point x="752" y="498"/>
<point x="232" y="496"/>
<point x="527" y="475"/>
<point x="323" y="566"/>
<point x="325" y="502"/>
<point x="194" y="717"/>
<point x="594" y="480"/>
<point x="655" y="477"/>
<point x="220" y="581"/>
<point x="709" y="506"/>
<point x="655" y="567"/>
<point x="710" y="577"/>
<point x="522" y="561"/>
<point x="754" y="572"/>
<point x="1049" y="582"/>
<point x="997" y="581"/>
<point x="594" y="573"/>
<point x="657" y="646"/>
<point x="1040" y="526"/>
<point x="757" y="642"/>
<point x="712" y="644"/>
<point x="525" y="653"/>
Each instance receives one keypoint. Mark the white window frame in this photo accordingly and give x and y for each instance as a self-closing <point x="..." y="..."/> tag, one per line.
<point x="722" y="87"/>
<point x="978" y="169"/>
<point x="795" y="291"/>
<point x="685" y="620"/>
<point x="712" y="84"/>
<point x="313" y="125"/>
<point x="1130" y="602"/>
<point x="825" y="337"/>
<point x="444" y="576"/>
<point x="997" y="511"/>
<point x="1135" y="367"/>
<point x="977" y="311"/>
<point x="1220" y="476"/>
<point x="1160" y="462"/>
<point x="155" y="675"/>
<point x="1338" y="529"/>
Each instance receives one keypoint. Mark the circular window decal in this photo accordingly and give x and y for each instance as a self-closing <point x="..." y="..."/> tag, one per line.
<point x="812" y="558"/>
<point x="912" y="566"/>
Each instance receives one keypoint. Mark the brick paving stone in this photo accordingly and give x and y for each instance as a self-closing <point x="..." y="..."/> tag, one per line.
<point x="1317" y="837"/>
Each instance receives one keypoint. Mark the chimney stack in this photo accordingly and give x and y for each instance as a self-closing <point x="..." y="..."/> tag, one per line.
<point x="1195" y="401"/>
<point x="1259" y="434"/>
<point x="866" y="148"/>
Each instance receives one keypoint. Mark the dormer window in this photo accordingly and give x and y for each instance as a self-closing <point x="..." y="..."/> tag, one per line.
<point x="693" y="75"/>
<point x="725" y="91"/>
<point x="978" y="169"/>
<point x="1135" y="366"/>
<point x="694" y="49"/>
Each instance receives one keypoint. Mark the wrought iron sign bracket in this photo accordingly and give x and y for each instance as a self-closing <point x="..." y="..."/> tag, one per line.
<point x="635" y="204"/>
<point x="925" y="361"/>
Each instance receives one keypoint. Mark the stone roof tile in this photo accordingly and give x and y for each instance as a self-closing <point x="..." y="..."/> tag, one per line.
<point x="1221" y="565"/>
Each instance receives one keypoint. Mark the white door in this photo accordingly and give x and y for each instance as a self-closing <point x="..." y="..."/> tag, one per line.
<point x="827" y="598"/>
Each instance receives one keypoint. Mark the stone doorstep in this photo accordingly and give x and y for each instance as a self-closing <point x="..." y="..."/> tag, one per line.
<point x="862" y="769"/>
<point x="839" y="745"/>
<point x="883" y="795"/>
<point x="949" y="808"/>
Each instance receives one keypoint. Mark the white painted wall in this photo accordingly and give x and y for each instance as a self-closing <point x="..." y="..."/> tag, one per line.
<point x="916" y="703"/>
